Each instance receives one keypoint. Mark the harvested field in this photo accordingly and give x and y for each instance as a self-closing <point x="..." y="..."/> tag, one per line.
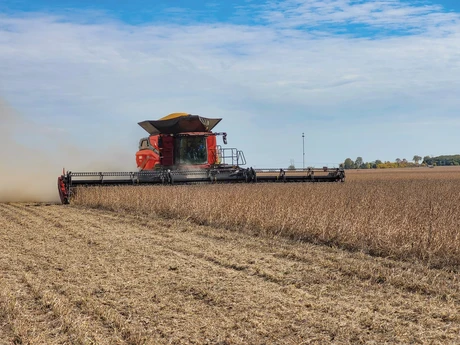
<point x="73" y="275"/>
<point x="411" y="214"/>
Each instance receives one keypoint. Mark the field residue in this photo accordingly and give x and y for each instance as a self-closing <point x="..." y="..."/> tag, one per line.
<point x="73" y="275"/>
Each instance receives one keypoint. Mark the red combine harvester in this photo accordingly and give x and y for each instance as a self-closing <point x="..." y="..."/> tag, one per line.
<point x="182" y="149"/>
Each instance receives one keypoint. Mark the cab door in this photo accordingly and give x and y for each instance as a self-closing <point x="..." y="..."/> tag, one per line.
<point x="167" y="150"/>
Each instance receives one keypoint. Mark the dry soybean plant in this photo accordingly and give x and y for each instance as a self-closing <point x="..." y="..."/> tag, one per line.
<point x="412" y="219"/>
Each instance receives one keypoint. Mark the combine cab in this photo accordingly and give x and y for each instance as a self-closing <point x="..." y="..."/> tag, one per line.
<point x="182" y="141"/>
<point x="182" y="149"/>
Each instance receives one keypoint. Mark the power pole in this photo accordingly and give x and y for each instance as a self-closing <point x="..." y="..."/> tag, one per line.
<point x="303" y="151"/>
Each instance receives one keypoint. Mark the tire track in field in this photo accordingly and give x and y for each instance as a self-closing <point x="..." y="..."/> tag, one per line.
<point x="30" y="318"/>
<point x="26" y="322"/>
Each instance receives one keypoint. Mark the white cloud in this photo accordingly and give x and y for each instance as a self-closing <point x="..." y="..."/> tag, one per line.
<point x="268" y="82"/>
<point x="387" y="14"/>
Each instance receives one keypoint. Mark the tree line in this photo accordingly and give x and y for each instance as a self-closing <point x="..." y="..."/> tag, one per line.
<point x="445" y="160"/>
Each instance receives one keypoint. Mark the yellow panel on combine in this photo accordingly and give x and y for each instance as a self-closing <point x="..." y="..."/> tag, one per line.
<point x="174" y="115"/>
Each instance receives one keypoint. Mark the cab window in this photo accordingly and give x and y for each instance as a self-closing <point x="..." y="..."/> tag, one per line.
<point x="191" y="150"/>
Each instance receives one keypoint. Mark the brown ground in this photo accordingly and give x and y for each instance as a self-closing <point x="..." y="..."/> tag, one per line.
<point x="72" y="275"/>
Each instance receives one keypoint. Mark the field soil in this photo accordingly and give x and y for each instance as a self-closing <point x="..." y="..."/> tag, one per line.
<point x="74" y="275"/>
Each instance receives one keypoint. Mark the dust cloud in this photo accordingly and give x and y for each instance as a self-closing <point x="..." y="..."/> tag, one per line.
<point x="32" y="158"/>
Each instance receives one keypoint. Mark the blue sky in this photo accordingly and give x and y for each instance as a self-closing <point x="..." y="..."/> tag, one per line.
<point x="144" y="11"/>
<point x="377" y="79"/>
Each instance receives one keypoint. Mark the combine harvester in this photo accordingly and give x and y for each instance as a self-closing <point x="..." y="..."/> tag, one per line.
<point x="182" y="149"/>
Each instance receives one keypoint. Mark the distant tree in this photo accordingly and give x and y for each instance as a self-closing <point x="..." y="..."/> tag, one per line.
<point x="348" y="164"/>
<point x="398" y="160"/>
<point x="442" y="160"/>
<point x="377" y="164"/>
<point x="359" y="162"/>
<point x="291" y="167"/>
<point x="417" y="159"/>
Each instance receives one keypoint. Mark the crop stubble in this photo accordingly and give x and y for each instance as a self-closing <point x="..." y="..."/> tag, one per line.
<point x="72" y="275"/>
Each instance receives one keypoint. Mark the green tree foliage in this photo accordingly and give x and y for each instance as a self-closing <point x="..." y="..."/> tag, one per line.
<point x="445" y="160"/>
<point x="399" y="163"/>
<point x="417" y="159"/>
<point x="348" y="164"/>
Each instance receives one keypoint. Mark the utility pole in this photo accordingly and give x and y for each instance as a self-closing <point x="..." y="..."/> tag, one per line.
<point x="303" y="151"/>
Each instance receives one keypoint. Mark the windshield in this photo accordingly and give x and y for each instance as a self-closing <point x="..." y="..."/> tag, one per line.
<point x="191" y="150"/>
